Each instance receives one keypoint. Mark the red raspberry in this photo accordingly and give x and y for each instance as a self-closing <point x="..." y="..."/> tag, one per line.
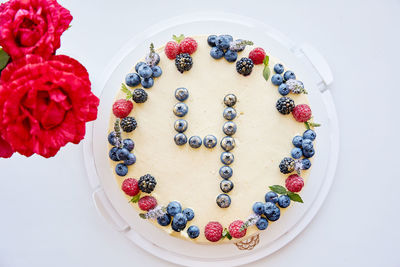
<point x="234" y="229"/>
<point x="122" y="108"/>
<point x="257" y="55"/>
<point x="213" y="231"/>
<point x="302" y="113"/>
<point x="294" y="183"/>
<point x="171" y="49"/>
<point x="188" y="45"/>
<point x="130" y="187"/>
<point x="147" y="203"/>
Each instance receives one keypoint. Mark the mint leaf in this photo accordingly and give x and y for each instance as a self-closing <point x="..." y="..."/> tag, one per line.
<point x="142" y="215"/>
<point x="266" y="60"/>
<point x="179" y="38"/>
<point x="266" y="71"/>
<point x="278" y="189"/>
<point x="126" y="91"/>
<point x="295" y="197"/>
<point x="4" y="58"/>
<point x="135" y="199"/>
<point x="226" y="234"/>
<point x="307" y="124"/>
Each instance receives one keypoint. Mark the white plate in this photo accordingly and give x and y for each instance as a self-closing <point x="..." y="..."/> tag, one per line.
<point x="111" y="203"/>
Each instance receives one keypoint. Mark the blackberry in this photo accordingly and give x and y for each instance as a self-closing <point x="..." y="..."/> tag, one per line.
<point x="139" y="95"/>
<point x="287" y="165"/>
<point x="183" y="62"/>
<point x="244" y="66"/>
<point x="147" y="183"/>
<point x="285" y="105"/>
<point x="128" y="124"/>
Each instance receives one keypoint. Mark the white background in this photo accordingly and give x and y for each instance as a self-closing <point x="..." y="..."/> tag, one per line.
<point x="47" y="216"/>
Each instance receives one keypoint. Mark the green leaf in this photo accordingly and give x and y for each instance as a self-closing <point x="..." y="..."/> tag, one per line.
<point x="142" y="215"/>
<point x="307" y="124"/>
<point x="4" y="58"/>
<point x="126" y="91"/>
<point x="266" y="60"/>
<point x="278" y="189"/>
<point x="266" y="73"/>
<point x="226" y="234"/>
<point x="295" y="197"/>
<point x="179" y="38"/>
<point x="135" y="199"/>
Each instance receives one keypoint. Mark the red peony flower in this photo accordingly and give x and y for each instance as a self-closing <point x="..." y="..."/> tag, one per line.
<point x="44" y="104"/>
<point x="32" y="27"/>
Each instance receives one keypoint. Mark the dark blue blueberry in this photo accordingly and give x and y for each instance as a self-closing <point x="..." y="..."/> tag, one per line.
<point x="258" y="208"/>
<point x="147" y="82"/>
<point x="307" y="147"/>
<point x="271" y="197"/>
<point x="123" y="153"/>
<point x="156" y="71"/>
<point x="113" y="154"/>
<point x="283" y="89"/>
<point x="272" y="212"/>
<point x="193" y="231"/>
<point x="262" y="223"/>
<point x="180" y="125"/>
<point x="277" y="79"/>
<point x="195" y="142"/>
<point x="216" y="53"/>
<point x="229" y="113"/>
<point x="296" y="153"/>
<point x="226" y="186"/>
<point x="289" y="75"/>
<point x="180" y="109"/>
<point x="223" y="201"/>
<point x="181" y="94"/>
<point x="121" y="169"/>
<point x="179" y="222"/>
<point x="227" y="158"/>
<point x="223" y="41"/>
<point x="180" y="139"/>
<point x="307" y="142"/>
<point x="112" y="139"/>
<point x="309" y="153"/>
<point x="309" y="134"/>
<point x="239" y="48"/>
<point x="228" y="143"/>
<point x="231" y="56"/>
<point x="128" y="144"/>
<point x="164" y="220"/>
<point x="306" y="164"/>
<point x="278" y="68"/>
<point x="174" y="208"/>
<point x="229" y="128"/>
<point x="297" y="141"/>
<point x="130" y="160"/>
<point x="145" y="71"/>
<point x="210" y="141"/>
<point x="226" y="172"/>
<point x="132" y="79"/>
<point x="211" y="40"/>
<point x="189" y="213"/>
<point x="283" y="201"/>
<point x="138" y="65"/>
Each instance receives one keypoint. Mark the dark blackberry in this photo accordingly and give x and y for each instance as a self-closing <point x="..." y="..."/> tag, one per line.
<point x="287" y="165"/>
<point x="128" y="124"/>
<point x="285" y="105"/>
<point x="139" y="95"/>
<point x="147" y="183"/>
<point x="183" y="62"/>
<point x="244" y="66"/>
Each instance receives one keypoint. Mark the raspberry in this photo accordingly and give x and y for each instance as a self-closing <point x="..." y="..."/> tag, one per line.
<point x="130" y="187"/>
<point x="257" y="55"/>
<point x="147" y="203"/>
<point x="234" y="229"/>
<point x="122" y="108"/>
<point x="294" y="183"/>
<point x="171" y="49"/>
<point x="213" y="231"/>
<point x="188" y="45"/>
<point x="302" y="113"/>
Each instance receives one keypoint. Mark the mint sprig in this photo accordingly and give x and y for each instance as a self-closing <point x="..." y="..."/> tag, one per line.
<point x="179" y="38"/>
<point x="135" y="199"/>
<point x="266" y="71"/>
<point x="4" y="58"/>
<point x="310" y="125"/>
<point x="282" y="191"/>
<point x="126" y="91"/>
<point x="226" y="234"/>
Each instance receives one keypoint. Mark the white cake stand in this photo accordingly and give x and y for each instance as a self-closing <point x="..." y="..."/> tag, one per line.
<point x="112" y="205"/>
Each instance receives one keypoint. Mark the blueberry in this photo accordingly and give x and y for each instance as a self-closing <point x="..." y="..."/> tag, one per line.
<point x="309" y="134"/>
<point x="229" y="113"/>
<point x="227" y="158"/>
<point x="258" y="208"/>
<point x="189" y="213"/>
<point x="306" y="164"/>
<point x="289" y="75"/>
<point x="277" y="79"/>
<point x="283" y="201"/>
<point x="229" y="128"/>
<point x="145" y="71"/>
<point x="307" y="142"/>
<point x="164" y="220"/>
<point x="193" y="231"/>
<point x="180" y="139"/>
<point x="228" y="143"/>
<point x="226" y="186"/>
<point x="180" y="125"/>
<point x="283" y="89"/>
<point x="271" y="197"/>
<point x="195" y="142"/>
<point x="239" y="48"/>
<point x="307" y="147"/>
<point x="231" y="56"/>
<point x="210" y="141"/>
<point x="174" y="208"/>
<point x="223" y="41"/>
<point x="230" y="100"/>
<point x="262" y="223"/>
<point x="181" y="94"/>
<point x="128" y="144"/>
<point x="156" y="71"/>
<point x="138" y="65"/>
<point x="123" y="153"/>
<point x="147" y="82"/>
<point x="272" y="212"/>
<point x="309" y="153"/>
<point x="296" y="153"/>
<point x="112" y="138"/>
<point x="132" y="79"/>
<point x="130" y="160"/>
<point x="180" y="109"/>
<point x="179" y="222"/>
<point x="121" y="169"/>
<point x="211" y="40"/>
<point x="113" y="154"/>
<point x="297" y="141"/>
<point x="226" y="172"/>
<point x="216" y="52"/>
<point x="223" y="201"/>
<point x="278" y="68"/>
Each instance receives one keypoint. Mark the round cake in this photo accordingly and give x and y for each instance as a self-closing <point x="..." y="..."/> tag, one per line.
<point x="211" y="138"/>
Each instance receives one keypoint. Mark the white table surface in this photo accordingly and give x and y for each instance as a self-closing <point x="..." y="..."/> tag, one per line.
<point x="48" y="217"/>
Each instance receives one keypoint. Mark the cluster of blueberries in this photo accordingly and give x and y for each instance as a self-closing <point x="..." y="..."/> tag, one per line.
<point x="224" y="46"/>
<point x="121" y="152"/>
<point x="281" y="78"/>
<point x="179" y="219"/>
<point x="304" y="147"/>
